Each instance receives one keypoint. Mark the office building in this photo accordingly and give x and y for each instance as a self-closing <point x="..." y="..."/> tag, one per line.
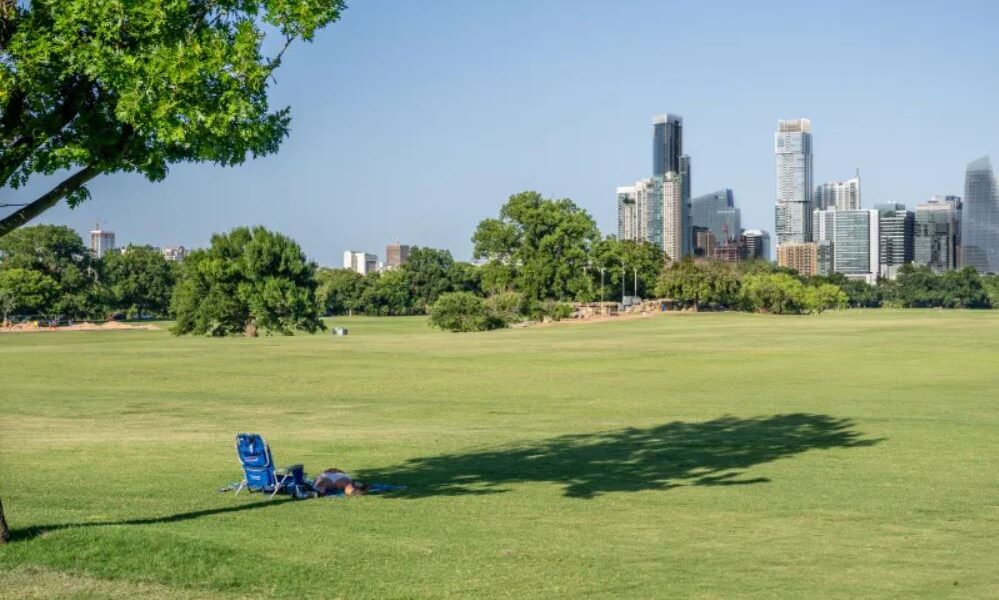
<point x="793" y="149"/>
<point x="101" y="241"/>
<point x="980" y="218"/>
<point x="360" y="262"/>
<point x="175" y="253"/>
<point x="896" y="230"/>
<point x="824" y="257"/>
<point x="937" y="235"/>
<point x="675" y="233"/>
<point x="856" y="239"/>
<point x="823" y="222"/>
<point x="667" y="144"/>
<point x="757" y="244"/>
<point x="800" y="256"/>
<point x="838" y="195"/>
<point x="716" y="214"/>
<point x="636" y="214"/>
<point x="396" y="255"/>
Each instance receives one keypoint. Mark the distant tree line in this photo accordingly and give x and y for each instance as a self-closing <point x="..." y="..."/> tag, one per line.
<point x="537" y="257"/>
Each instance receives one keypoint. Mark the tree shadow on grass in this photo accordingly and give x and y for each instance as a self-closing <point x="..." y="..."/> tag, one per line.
<point x="28" y="533"/>
<point x="710" y="453"/>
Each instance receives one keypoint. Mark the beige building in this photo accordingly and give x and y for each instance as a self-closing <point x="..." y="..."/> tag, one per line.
<point x="396" y="255"/>
<point x="803" y="257"/>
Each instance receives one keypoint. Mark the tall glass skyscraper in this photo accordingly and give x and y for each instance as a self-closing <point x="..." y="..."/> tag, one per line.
<point x="716" y="212"/>
<point x="938" y="233"/>
<point x="896" y="227"/>
<point x="856" y="240"/>
<point x="793" y="148"/>
<point x="980" y="221"/>
<point x="667" y="144"/>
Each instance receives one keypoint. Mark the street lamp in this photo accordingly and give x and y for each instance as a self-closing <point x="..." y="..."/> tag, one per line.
<point x="602" y="269"/>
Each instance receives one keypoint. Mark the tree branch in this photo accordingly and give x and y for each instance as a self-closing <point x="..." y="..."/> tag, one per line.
<point x="48" y="200"/>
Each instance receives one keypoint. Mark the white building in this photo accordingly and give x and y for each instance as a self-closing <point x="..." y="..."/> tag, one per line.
<point x="839" y="195"/>
<point x="175" y="253"/>
<point x="855" y="237"/>
<point x="674" y="217"/>
<point x="101" y="242"/>
<point x="793" y="149"/>
<point x="361" y="262"/>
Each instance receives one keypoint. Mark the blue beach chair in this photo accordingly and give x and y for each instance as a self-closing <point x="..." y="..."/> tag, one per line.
<point x="259" y="473"/>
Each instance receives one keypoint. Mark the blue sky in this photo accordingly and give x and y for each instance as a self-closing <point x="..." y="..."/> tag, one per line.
<point x="415" y="120"/>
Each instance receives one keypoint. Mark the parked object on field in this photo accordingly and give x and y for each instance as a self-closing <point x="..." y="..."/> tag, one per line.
<point x="259" y="473"/>
<point x="340" y="331"/>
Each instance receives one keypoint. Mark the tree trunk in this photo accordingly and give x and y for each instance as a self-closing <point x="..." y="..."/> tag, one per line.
<point x="4" y="530"/>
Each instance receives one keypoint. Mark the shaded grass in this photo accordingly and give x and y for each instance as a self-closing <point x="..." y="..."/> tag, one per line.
<point x="708" y="456"/>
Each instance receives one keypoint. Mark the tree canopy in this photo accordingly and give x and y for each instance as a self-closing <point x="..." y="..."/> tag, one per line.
<point x="57" y="252"/>
<point x="138" y="280"/>
<point x="248" y="279"/>
<point x="90" y="87"/>
<point x="545" y="243"/>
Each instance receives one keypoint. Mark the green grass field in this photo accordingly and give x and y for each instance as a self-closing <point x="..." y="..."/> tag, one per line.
<point x="853" y="454"/>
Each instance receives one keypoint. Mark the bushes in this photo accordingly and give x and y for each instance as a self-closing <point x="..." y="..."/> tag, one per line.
<point x="460" y="311"/>
<point x="782" y="294"/>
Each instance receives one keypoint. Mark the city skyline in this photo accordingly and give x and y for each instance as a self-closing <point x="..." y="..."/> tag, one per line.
<point x="387" y="102"/>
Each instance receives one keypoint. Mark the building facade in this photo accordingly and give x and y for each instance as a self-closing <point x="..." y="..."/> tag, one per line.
<point x="801" y="256"/>
<point x="715" y="213"/>
<point x="838" y="195"/>
<point x="361" y="262"/>
<point x="175" y="253"/>
<point x="667" y="144"/>
<point x="980" y="218"/>
<point x="757" y="243"/>
<point x="937" y="234"/>
<point x="856" y="239"/>
<point x="896" y="231"/>
<point x="675" y="232"/>
<point x="396" y="255"/>
<point x="793" y="149"/>
<point x="101" y="241"/>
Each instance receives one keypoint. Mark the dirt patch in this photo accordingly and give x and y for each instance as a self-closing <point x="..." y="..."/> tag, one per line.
<point x="85" y="326"/>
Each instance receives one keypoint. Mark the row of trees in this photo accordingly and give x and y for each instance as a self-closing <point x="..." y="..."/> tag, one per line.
<point x="46" y="271"/>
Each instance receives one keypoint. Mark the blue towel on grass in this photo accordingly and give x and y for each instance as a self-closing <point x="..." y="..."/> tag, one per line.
<point x="374" y="488"/>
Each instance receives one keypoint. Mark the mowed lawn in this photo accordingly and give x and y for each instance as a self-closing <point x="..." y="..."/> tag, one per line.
<point x="852" y="454"/>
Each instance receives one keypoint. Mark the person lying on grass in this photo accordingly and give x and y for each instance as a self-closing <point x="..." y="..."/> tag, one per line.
<point x="335" y="481"/>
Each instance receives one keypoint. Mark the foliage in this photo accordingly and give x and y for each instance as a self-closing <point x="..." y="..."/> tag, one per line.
<point x="775" y="293"/>
<point x="26" y="291"/>
<point x="822" y="297"/>
<point x="123" y="86"/>
<point x="920" y="287"/>
<point x="507" y="307"/>
<point x="57" y="252"/>
<point x="339" y="291"/>
<point x="627" y="259"/>
<point x="461" y="311"/>
<point x="249" y="278"/>
<point x="546" y="243"/>
<point x="496" y="277"/>
<point x="699" y="284"/>
<point x="139" y="280"/>
<point x="432" y="272"/>
<point x="387" y="294"/>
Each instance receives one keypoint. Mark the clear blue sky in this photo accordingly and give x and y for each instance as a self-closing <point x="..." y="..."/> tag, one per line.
<point x="414" y="120"/>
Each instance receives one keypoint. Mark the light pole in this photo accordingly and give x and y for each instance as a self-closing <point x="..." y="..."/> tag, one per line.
<point x="602" y="269"/>
<point x="636" y="281"/>
<point x="624" y="277"/>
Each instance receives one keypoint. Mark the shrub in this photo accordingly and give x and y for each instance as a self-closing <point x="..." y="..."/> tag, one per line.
<point x="825" y="296"/>
<point x="506" y="307"/>
<point x="461" y="311"/>
<point x="777" y="293"/>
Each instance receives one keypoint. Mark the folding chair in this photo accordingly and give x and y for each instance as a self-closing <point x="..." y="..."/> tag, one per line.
<point x="259" y="474"/>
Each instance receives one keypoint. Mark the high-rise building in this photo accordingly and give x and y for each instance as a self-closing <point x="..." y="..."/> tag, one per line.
<point x="980" y="218"/>
<point x="636" y="215"/>
<point x="896" y="230"/>
<point x="856" y="240"/>
<point x="824" y="257"/>
<point x="396" y="255"/>
<point x="838" y="195"/>
<point x="101" y="241"/>
<point x="937" y="236"/>
<point x="823" y="222"/>
<point x="803" y="257"/>
<point x="757" y="242"/>
<point x="676" y="233"/>
<point x="360" y="262"/>
<point x="667" y="144"/>
<point x="793" y="148"/>
<point x="717" y="214"/>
